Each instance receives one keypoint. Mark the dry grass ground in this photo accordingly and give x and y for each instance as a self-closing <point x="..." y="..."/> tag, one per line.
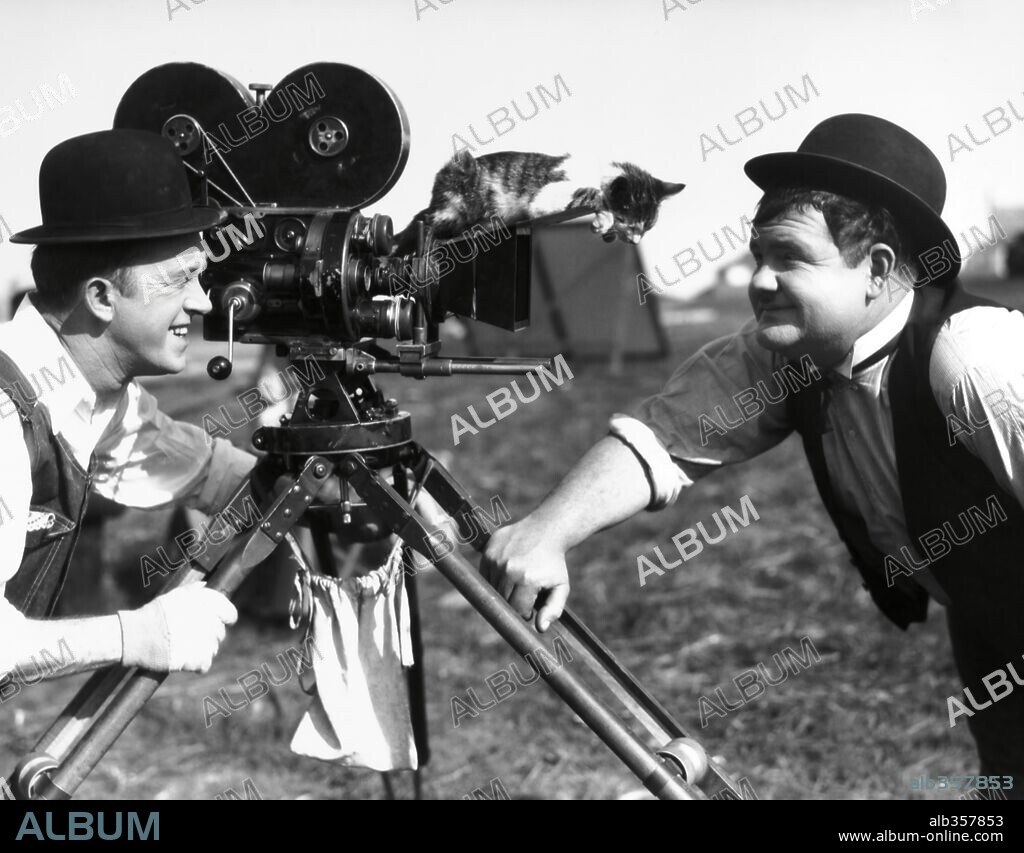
<point x="859" y="724"/>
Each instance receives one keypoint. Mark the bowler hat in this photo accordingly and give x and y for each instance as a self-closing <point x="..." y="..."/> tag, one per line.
<point x="871" y="159"/>
<point x="115" y="185"/>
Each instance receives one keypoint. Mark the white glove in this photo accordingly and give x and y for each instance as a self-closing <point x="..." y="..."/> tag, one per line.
<point x="178" y="631"/>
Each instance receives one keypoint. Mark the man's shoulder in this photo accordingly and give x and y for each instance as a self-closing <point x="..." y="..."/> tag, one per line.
<point x="12" y="434"/>
<point x="981" y="331"/>
<point x="982" y="339"/>
<point x="10" y="369"/>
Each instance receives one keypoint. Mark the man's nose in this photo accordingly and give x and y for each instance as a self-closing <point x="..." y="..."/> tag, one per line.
<point x="196" y="300"/>
<point x="762" y="280"/>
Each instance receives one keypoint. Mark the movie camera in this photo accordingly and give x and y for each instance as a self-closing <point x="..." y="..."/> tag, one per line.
<point x="293" y="165"/>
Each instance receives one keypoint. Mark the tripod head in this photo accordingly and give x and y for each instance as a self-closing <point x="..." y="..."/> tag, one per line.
<point x="344" y="413"/>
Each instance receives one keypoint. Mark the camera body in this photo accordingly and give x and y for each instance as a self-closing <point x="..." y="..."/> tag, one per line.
<point x="329" y="276"/>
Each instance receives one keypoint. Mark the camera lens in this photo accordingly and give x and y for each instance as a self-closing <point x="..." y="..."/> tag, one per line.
<point x="383" y="234"/>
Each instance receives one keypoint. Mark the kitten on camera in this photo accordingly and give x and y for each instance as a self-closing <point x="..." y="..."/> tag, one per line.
<point x="516" y="186"/>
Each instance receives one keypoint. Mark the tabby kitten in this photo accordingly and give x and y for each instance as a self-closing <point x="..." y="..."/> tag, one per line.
<point x="516" y="186"/>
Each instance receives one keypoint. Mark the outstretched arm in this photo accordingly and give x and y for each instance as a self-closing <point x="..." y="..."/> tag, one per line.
<point x="606" y="486"/>
<point x="149" y="460"/>
<point x="180" y="630"/>
<point x="611" y="483"/>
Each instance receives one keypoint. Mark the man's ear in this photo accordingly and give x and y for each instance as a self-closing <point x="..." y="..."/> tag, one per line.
<point x="98" y="298"/>
<point x="882" y="265"/>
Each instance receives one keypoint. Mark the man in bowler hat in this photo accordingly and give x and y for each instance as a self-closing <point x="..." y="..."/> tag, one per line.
<point x="116" y="268"/>
<point x="907" y="415"/>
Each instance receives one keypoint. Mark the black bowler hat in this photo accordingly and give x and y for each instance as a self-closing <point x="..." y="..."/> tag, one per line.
<point x="115" y="185"/>
<point x="874" y="160"/>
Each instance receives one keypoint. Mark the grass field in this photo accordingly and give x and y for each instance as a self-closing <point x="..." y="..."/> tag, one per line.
<point x="860" y="723"/>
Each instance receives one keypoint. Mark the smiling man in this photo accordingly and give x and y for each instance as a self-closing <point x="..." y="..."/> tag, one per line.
<point x="116" y="268"/>
<point x="915" y="442"/>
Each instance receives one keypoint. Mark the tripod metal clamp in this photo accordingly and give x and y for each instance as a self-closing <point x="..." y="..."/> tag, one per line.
<point x="286" y="509"/>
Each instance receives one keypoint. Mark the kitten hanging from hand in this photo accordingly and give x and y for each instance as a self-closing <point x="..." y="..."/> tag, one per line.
<point x="516" y="186"/>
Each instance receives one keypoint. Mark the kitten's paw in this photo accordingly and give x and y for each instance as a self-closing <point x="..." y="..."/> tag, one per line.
<point x="603" y="222"/>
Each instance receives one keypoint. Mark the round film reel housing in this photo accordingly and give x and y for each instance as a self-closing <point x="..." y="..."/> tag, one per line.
<point x="328" y="136"/>
<point x="338" y="138"/>
<point x="181" y="101"/>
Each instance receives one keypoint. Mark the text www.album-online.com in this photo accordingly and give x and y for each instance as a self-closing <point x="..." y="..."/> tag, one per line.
<point x="941" y="835"/>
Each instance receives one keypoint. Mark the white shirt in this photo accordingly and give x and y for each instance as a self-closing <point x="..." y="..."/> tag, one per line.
<point x="976" y="373"/>
<point x="144" y="458"/>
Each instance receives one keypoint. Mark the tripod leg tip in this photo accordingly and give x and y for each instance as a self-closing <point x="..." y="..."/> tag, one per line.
<point x="689" y="756"/>
<point x="31" y="770"/>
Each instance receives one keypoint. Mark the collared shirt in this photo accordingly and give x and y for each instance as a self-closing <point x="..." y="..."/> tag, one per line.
<point x="696" y="424"/>
<point x="144" y="458"/>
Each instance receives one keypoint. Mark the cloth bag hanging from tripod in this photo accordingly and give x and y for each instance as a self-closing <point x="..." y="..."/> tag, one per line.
<point x="359" y="628"/>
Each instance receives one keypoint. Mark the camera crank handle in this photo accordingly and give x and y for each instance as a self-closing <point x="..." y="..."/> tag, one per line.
<point x="220" y="367"/>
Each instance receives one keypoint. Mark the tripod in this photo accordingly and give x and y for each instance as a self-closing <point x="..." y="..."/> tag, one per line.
<point x="344" y="429"/>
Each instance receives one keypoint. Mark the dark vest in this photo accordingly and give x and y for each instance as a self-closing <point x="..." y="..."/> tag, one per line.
<point x="60" y="492"/>
<point x="947" y="492"/>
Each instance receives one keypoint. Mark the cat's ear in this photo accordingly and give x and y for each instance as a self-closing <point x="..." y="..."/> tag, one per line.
<point x="462" y="164"/>
<point x="665" y="189"/>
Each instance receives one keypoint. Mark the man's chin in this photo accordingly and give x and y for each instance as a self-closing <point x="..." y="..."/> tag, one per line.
<point x="177" y="365"/>
<point x="782" y="339"/>
<point x="170" y="366"/>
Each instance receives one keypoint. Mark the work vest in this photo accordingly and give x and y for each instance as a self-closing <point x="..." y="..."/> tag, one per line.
<point x="60" y="492"/>
<point x="964" y="524"/>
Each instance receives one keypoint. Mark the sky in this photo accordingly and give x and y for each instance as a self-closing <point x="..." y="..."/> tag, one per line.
<point x="641" y="80"/>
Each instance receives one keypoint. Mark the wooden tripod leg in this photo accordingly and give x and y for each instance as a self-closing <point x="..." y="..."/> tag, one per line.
<point x="588" y="649"/>
<point x="115" y="699"/>
<point x="416" y="527"/>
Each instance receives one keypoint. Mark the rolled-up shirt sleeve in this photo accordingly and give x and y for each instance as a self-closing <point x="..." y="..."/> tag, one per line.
<point x="148" y="460"/>
<point x="977" y="378"/>
<point x="15" y="498"/>
<point x="724" y="404"/>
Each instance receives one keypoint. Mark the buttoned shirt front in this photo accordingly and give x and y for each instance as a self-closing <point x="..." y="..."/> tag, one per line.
<point x="143" y="458"/>
<point x="976" y="375"/>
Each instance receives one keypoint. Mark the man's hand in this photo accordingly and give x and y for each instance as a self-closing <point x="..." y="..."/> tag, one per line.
<point x="521" y="564"/>
<point x="525" y="559"/>
<point x="178" y="631"/>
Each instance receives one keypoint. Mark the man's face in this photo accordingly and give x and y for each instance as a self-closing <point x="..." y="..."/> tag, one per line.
<point x="149" y="329"/>
<point x="807" y="301"/>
